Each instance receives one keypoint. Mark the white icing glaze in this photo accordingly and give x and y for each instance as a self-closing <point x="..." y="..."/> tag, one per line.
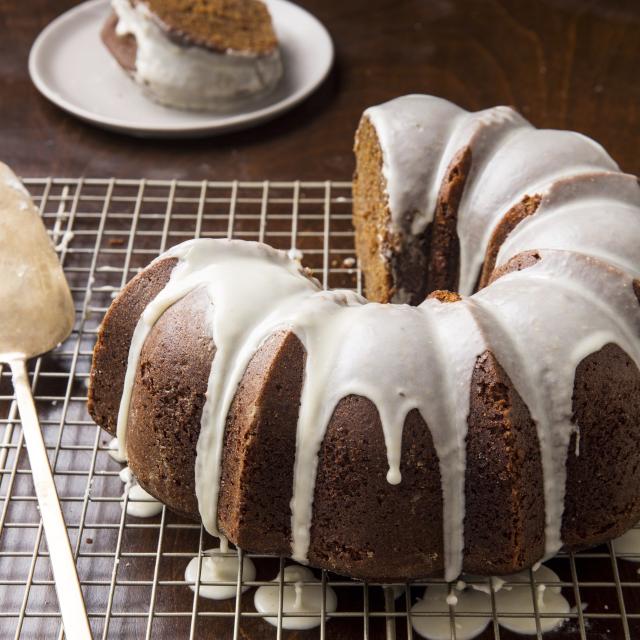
<point x="193" y="77"/>
<point x="66" y="239"/>
<point x="584" y="214"/>
<point x="513" y="595"/>
<point x="141" y="504"/>
<point x="267" y="287"/>
<point x="126" y="475"/>
<point x="526" y="161"/>
<point x="298" y="597"/>
<point x="404" y="134"/>
<point x="460" y="344"/>
<point x="585" y="305"/>
<point x="437" y="599"/>
<point x="516" y="598"/>
<point x="219" y="566"/>
<point x="115" y="452"/>
<point x="627" y="546"/>
<point x="295" y="254"/>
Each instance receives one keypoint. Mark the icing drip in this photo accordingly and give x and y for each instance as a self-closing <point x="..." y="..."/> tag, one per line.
<point x="266" y="287"/>
<point x="193" y="77"/>
<point x="141" y="504"/>
<point x="66" y="239"/>
<point x="457" y="342"/>
<point x="540" y="351"/>
<point x="507" y="175"/>
<point x="302" y="597"/>
<point x="517" y="598"/>
<point x="437" y="599"/>
<point x="627" y="546"/>
<point x="218" y="566"/>
<point x="336" y="330"/>
<point x="115" y="451"/>
<point x="126" y="475"/>
<point x="577" y="214"/>
<point x="295" y="254"/>
<point x="513" y="595"/>
<point x="404" y="133"/>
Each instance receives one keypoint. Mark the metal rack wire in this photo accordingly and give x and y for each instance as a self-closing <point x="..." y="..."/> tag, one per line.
<point x="132" y="570"/>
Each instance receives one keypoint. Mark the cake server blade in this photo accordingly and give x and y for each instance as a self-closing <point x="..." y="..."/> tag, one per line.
<point x="36" y="313"/>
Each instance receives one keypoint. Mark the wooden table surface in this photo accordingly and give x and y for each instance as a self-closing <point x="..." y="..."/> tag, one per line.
<point x="563" y="63"/>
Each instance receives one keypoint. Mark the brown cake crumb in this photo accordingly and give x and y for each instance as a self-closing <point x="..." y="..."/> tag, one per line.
<point x="221" y="25"/>
<point x="371" y="214"/>
<point x="519" y="262"/>
<point x="445" y="246"/>
<point x="525" y="208"/>
<point x="445" y="296"/>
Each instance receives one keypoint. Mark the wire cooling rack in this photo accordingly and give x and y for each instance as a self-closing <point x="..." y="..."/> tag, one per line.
<point x="132" y="570"/>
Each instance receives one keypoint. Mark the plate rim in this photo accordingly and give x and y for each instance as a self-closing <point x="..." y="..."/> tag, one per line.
<point x="231" y="123"/>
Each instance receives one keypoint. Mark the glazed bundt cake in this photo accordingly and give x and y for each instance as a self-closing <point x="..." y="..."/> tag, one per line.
<point x="476" y="431"/>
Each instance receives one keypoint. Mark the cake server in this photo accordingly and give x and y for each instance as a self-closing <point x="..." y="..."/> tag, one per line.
<point x="36" y="313"/>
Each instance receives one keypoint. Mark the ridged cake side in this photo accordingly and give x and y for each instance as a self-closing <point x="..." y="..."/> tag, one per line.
<point x="362" y="525"/>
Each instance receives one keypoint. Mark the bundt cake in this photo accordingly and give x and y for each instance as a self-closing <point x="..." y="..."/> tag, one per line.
<point x="216" y="55"/>
<point x="476" y="431"/>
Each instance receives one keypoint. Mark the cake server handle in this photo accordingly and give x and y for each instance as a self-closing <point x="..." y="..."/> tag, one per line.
<point x="72" y="607"/>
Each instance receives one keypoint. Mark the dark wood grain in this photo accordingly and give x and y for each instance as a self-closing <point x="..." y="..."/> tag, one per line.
<point x="563" y="63"/>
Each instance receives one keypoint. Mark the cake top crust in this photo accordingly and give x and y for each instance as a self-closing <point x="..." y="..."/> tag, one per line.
<point x="241" y="26"/>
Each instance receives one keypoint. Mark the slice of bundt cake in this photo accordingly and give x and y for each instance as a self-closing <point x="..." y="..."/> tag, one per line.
<point x="214" y="55"/>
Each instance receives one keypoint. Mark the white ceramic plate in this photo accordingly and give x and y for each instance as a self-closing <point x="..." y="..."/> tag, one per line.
<point x="71" y="67"/>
